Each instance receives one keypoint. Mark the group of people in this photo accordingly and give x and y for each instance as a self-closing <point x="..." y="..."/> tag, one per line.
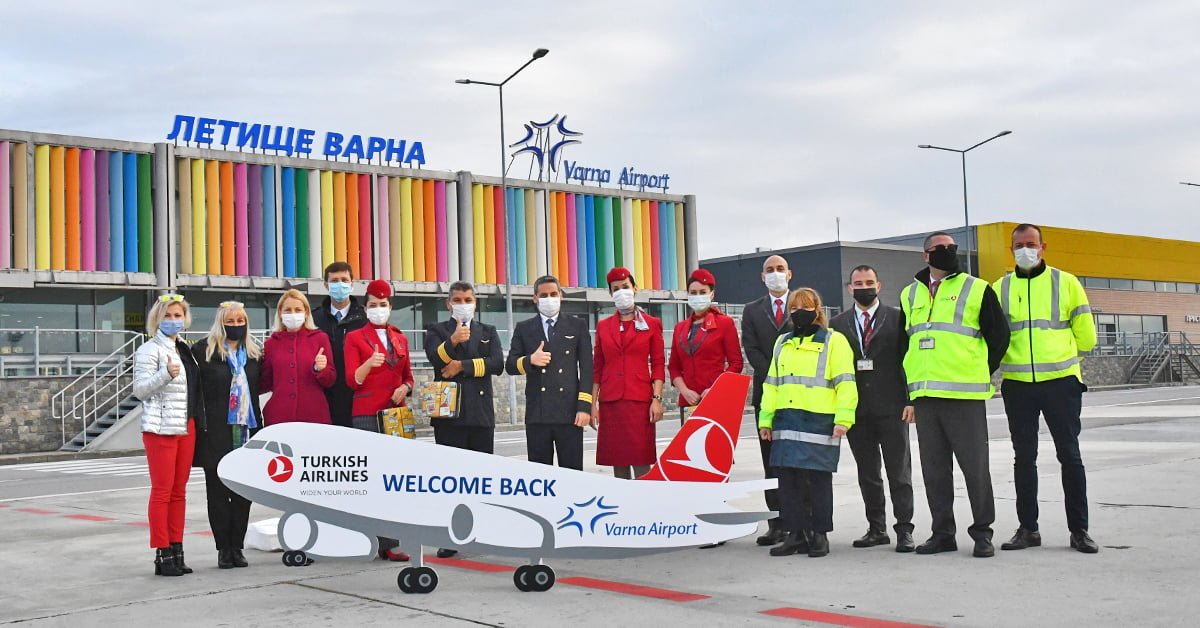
<point x="875" y="369"/>
<point x="866" y="374"/>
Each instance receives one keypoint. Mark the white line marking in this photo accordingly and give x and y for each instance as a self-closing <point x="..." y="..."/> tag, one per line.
<point x="107" y="490"/>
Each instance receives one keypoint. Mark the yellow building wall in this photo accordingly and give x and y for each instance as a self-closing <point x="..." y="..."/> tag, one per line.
<point x="1094" y="254"/>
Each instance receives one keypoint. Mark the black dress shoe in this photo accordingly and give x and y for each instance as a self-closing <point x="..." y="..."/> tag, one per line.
<point x="774" y="536"/>
<point x="1082" y="542"/>
<point x="937" y="544"/>
<point x="818" y="546"/>
<point x="872" y="538"/>
<point x="225" y="559"/>
<point x="1022" y="539"/>
<point x="794" y="543"/>
<point x="446" y="553"/>
<point x="904" y="542"/>
<point x="983" y="549"/>
<point x="239" y="559"/>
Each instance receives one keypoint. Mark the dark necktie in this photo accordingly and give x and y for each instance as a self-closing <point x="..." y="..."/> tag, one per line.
<point x="340" y="314"/>
<point x="933" y="287"/>
<point x="778" y="312"/>
<point x="549" y="327"/>
<point x="866" y="331"/>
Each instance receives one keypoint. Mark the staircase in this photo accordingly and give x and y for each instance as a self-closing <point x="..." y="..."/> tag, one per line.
<point x="97" y="399"/>
<point x="1169" y="357"/>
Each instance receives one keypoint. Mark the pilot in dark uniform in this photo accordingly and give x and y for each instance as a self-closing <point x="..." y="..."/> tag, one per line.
<point x="468" y="352"/>
<point x="554" y="352"/>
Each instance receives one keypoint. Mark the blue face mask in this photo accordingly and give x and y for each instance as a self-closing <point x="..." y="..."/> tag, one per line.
<point x="339" y="290"/>
<point x="171" y="326"/>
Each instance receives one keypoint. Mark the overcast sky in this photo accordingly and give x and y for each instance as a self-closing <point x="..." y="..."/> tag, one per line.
<point x="779" y="116"/>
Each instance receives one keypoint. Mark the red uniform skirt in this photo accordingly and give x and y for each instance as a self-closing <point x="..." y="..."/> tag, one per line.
<point x="626" y="435"/>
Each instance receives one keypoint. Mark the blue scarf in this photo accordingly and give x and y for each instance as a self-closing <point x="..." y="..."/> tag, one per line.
<point x="240" y="411"/>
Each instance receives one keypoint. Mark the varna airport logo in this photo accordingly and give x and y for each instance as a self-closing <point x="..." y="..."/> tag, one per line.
<point x="545" y="141"/>
<point x="280" y="469"/>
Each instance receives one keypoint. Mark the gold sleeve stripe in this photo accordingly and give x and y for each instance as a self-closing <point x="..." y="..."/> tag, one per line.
<point x="480" y="367"/>
<point x="521" y="365"/>
<point x="587" y="397"/>
<point x="443" y="354"/>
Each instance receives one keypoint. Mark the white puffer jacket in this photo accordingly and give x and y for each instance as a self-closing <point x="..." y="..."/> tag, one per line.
<point x="164" y="399"/>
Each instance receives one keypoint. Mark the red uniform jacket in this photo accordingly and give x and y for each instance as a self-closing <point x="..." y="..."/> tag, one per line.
<point x="626" y="365"/>
<point x="714" y="350"/>
<point x="375" y="393"/>
<point x="298" y="394"/>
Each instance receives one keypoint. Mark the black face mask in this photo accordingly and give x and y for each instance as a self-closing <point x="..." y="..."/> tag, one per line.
<point x="944" y="260"/>
<point x="235" y="333"/>
<point x="865" y="296"/>
<point x="802" y="320"/>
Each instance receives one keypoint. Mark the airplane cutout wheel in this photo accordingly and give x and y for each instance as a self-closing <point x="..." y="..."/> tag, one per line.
<point x="535" y="578"/>
<point x="417" y="580"/>
<point x="296" y="558"/>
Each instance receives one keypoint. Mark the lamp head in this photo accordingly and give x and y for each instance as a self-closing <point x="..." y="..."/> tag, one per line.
<point x="463" y="81"/>
<point x="924" y="146"/>
<point x="540" y="52"/>
<point x="1003" y="133"/>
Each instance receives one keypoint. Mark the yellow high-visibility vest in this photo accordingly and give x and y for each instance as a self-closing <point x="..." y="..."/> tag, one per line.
<point x="1051" y="325"/>
<point x="954" y="362"/>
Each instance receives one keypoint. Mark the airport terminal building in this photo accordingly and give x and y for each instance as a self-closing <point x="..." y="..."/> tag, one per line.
<point x="92" y="229"/>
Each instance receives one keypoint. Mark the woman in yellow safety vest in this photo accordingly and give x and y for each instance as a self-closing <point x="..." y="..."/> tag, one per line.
<point x="808" y="404"/>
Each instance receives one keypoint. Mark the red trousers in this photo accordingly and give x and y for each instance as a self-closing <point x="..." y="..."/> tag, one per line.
<point x="170" y="462"/>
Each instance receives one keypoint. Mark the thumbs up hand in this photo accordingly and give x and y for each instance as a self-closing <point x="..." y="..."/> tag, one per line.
<point x="540" y="357"/>
<point x="172" y="367"/>
<point x="321" y="361"/>
<point x="462" y="334"/>
<point x="377" y="359"/>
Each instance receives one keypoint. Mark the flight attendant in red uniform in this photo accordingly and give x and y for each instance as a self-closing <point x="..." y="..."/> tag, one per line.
<point x="704" y="345"/>
<point x="628" y="379"/>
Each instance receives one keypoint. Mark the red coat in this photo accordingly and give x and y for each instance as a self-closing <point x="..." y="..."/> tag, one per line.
<point x="626" y="365"/>
<point x="715" y="350"/>
<point x="298" y="394"/>
<point x="375" y="393"/>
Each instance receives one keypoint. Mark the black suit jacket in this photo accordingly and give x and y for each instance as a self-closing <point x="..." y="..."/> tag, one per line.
<point x="481" y="357"/>
<point x="215" y="379"/>
<point x="339" y="395"/>
<point x="758" y="338"/>
<point x="882" y="392"/>
<point x="553" y="394"/>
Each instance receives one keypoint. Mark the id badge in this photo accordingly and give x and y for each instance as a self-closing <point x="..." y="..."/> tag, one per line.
<point x="865" y="365"/>
<point x="925" y="343"/>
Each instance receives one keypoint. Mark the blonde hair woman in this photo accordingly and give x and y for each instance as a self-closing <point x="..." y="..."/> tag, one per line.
<point x="809" y="401"/>
<point x="296" y="365"/>
<point x="230" y="367"/>
<point x="166" y="379"/>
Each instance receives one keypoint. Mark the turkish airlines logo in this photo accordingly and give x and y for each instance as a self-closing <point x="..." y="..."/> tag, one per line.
<point x="706" y="456"/>
<point x="280" y="469"/>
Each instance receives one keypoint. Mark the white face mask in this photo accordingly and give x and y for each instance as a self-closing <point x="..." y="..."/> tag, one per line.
<point x="776" y="282"/>
<point x="379" y="315"/>
<point x="1027" y="258"/>
<point x="293" y="320"/>
<point x="464" y="312"/>
<point x="623" y="299"/>
<point x="549" y="306"/>
<point x="699" y="302"/>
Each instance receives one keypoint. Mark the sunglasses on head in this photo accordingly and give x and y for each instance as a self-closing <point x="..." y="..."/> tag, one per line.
<point x="953" y="248"/>
<point x="234" y="304"/>
<point x="168" y="298"/>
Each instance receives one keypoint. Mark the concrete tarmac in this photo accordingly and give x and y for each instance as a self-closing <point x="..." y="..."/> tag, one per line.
<point x="75" y="553"/>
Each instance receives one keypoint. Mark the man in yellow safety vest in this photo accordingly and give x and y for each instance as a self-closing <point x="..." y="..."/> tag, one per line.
<point x="1052" y="327"/>
<point x="957" y="335"/>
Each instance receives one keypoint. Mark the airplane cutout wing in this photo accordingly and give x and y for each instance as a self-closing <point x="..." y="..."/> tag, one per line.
<point x="703" y="449"/>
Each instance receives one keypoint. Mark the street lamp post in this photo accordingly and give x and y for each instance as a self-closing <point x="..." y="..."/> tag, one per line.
<point x="966" y="213"/>
<point x="508" y="272"/>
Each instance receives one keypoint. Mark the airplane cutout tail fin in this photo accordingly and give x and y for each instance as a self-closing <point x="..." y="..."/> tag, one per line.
<point x="703" y="449"/>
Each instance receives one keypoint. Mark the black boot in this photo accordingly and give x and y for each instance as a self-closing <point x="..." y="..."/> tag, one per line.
<point x="794" y="543"/>
<point x="225" y="559"/>
<point x="178" y="549"/>
<point x="239" y="559"/>
<point x="818" y="546"/>
<point x="165" y="563"/>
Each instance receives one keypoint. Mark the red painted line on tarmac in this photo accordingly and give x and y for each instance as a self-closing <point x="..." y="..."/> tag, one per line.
<point x="89" y="517"/>
<point x="631" y="589"/>
<point x="204" y="533"/>
<point x="142" y="524"/>
<point x="473" y="565"/>
<point x="37" y="511"/>
<point x="838" y="619"/>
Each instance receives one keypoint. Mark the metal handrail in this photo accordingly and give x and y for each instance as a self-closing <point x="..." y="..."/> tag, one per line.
<point x="116" y="365"/>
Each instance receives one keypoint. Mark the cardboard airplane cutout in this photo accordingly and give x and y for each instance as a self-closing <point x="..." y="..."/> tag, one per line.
<point x="340" y="488"/>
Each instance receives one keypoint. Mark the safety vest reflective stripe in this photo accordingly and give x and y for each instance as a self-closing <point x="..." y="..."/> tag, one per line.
<point x="806" y="437"/>
<point x="1041" y="323"/>
<point x="1039" y="368"/>
<point x="950" y="387"/>
<point x="815" y="382"/>
<point x="844" y="377"/>
<point x="818" y="380"/>
<point x="960" y="311"/>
